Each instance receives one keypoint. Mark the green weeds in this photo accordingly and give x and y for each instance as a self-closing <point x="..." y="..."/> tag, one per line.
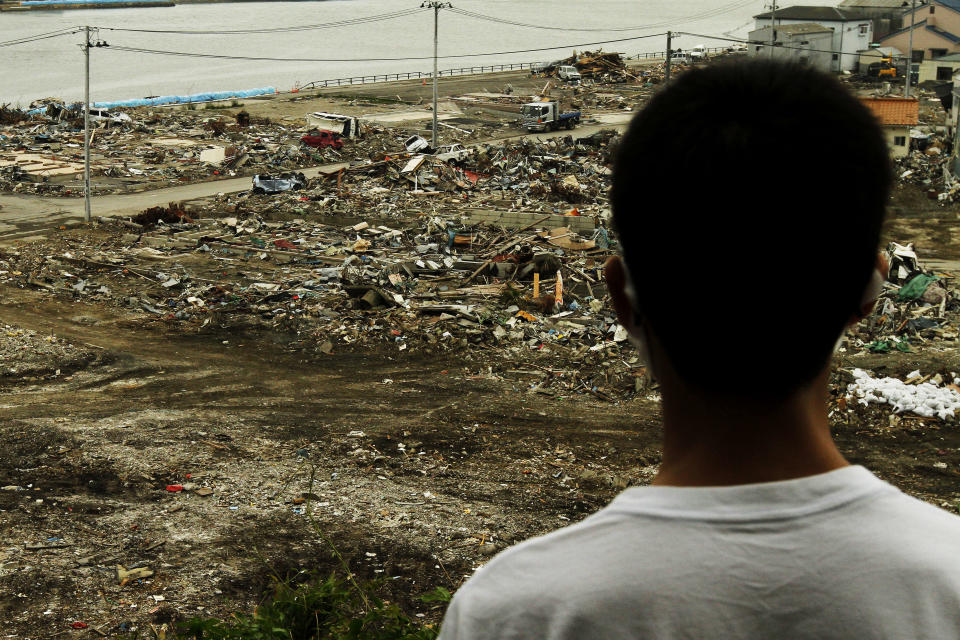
<point x="319" y="609"/>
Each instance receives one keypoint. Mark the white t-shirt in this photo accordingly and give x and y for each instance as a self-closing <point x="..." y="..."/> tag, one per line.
<point x="837" y="555"/>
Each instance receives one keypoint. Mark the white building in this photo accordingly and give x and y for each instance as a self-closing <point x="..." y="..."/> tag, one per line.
<point x="807" y="43"/>
<point x="852" y="31"/>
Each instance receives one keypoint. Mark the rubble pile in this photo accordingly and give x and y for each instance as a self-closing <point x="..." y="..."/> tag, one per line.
<point x="367" y="259"/>
<point x="917" y="308"/>
<point x="27" y="355"/>
<point x="600" y="67"/>
<point x="10" y="115"/>
<point x="152" y="148"/>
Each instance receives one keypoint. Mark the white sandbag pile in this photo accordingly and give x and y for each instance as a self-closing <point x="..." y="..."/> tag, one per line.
<point x="926" y="399"/>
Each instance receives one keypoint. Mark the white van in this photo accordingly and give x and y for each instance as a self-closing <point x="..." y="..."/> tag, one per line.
<point x="569" y="73"/>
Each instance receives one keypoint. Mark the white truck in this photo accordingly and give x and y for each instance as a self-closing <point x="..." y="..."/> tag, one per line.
<point x="546" y="116"/>
<point x="698" y="54"/>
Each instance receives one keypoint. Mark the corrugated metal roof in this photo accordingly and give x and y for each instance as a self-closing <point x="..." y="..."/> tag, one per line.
<point x="875" y="4"/>
<point x="893" y="111"/>
<point x="950" y="4"/>
<point x="815" y="14"/>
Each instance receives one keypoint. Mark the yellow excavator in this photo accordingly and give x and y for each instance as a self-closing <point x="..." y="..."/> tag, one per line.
<point x="883" y="69"/>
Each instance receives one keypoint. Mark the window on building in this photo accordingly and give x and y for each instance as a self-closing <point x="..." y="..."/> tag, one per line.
<point x="917" y="55"/>
<point x="932" y="9"/>
<point x="944" y="73"/>
<point x="863" y="29"/>
<point x="900" y="141"/>
<point x="937" y="53"/>
<point x="836" y="57"/>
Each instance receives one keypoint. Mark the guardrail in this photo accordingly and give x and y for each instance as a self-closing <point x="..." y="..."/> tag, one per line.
<point x="462" y="71"/>
<point x="663" y="54"/>
<point x="416" y="75"/>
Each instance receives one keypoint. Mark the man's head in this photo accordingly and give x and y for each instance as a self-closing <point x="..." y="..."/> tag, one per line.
<point x="748" y="199"/>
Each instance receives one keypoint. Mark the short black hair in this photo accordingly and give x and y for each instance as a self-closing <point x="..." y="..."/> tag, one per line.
<point x="748" y="198"/>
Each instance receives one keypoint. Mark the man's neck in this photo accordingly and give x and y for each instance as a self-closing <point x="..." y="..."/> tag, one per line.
<point x="713" y="442"/>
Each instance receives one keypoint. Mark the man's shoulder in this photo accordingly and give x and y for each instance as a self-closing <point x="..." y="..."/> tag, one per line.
<point x="880" y="546"/>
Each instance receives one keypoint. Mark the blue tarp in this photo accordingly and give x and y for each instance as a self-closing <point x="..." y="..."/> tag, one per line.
<point x="152" y="102"/>
<point x="197" y="97"/>
<point x="34" y="3"/>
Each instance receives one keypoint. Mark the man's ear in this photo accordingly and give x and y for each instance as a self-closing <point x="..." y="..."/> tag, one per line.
<point x="615" y="273"/>
<point x="873" y="290"/>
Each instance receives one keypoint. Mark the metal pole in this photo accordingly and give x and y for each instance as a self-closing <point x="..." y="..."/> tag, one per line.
<point x="86" y="125"/>
<point x="773" y="27"/>
<point x="436" y="20"/>
<point x="666" y="71"/>
<point x="913" y="16"/>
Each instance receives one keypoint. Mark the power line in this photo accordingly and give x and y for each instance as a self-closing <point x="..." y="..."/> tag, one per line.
<point x="462" y="55"/>
<point x="309" y="27"/>
<point x="40" y="36"/>
<point x="680" y="20"/>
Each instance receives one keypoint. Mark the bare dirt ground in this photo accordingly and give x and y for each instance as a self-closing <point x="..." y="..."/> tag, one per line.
<point x="429" y="464"/>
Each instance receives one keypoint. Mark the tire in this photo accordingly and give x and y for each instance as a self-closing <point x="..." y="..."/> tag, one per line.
<point x="258" y="191"/>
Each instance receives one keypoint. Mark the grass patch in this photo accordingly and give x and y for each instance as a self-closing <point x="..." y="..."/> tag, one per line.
<point x="216" y="106"/>
<point x="319" y="609"/>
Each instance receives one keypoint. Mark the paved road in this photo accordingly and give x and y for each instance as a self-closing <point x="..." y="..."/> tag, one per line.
<point x="26" y="216"/>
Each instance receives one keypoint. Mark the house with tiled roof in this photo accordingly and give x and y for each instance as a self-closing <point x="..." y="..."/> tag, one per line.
<point x="852" y="30"/>
<point x="896" y="115"/>
<point x="936" y="31"/>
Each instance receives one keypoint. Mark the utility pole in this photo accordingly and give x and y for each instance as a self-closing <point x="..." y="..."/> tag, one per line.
<point x="913" y="16"/>
<point x="773" y="27"/>
<point x="86" y="125"/>
<point x="436" y="6"/>
<point x="666" y="70"/>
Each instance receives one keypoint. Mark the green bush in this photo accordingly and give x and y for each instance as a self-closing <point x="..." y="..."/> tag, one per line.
<point x="319" y="609"/>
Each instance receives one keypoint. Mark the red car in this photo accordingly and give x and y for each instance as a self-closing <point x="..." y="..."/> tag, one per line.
<point x="321" y="138"/>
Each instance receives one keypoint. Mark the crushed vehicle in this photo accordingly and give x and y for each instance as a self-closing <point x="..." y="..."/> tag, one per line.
<point x="320" y="139"/>
<point x="453" y="152"/>
<point x="541" y="67"/>
<point x="546" y="116"/>
<point x="278" y="184"/>
<point x="102" y="115"/>
<point x="417" y="144"/>
<point x="346" y="126"/>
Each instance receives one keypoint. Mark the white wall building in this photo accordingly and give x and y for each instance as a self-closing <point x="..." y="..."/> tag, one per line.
<point x="807" y="43"/>
<point x="852" y="31"/>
